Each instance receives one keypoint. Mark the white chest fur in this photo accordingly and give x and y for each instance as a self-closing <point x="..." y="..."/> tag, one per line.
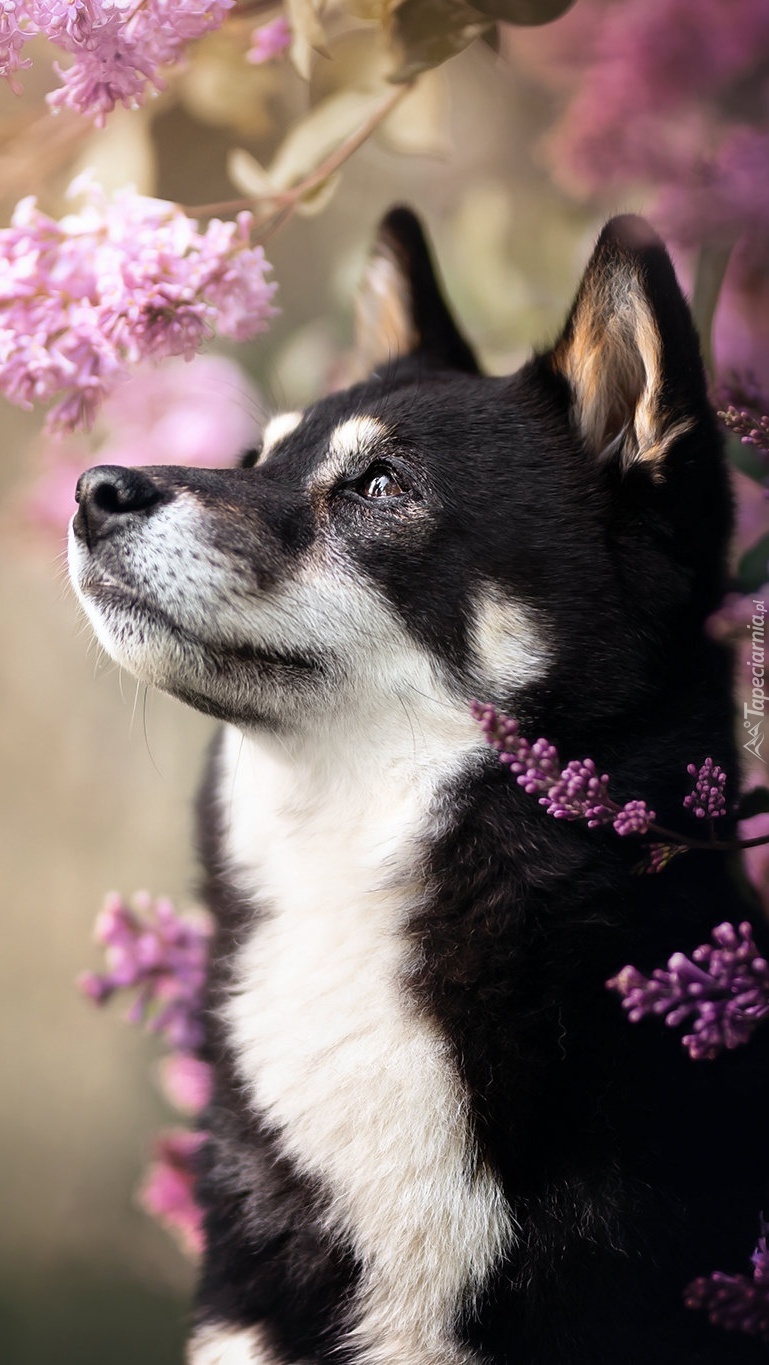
<point x="360" y="1086"/>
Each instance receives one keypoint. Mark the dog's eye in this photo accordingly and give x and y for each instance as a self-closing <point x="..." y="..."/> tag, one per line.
<point x="382" y="482"/>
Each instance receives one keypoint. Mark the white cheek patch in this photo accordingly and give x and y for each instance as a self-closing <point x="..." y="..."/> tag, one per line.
<point x="220" y="1345"/>
<point x="277" y="429"/>
<point x="509" y="644"/>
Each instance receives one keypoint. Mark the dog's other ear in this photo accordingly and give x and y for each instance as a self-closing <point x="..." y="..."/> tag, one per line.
<point x="629" y="351"/>
<point x="400" y="310"/>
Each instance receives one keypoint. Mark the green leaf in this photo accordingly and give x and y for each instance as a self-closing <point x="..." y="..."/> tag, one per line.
<point x="746" y="458"/>
<point x="426" y="33"/>
<point x="524" y="12"/>
<point x="753" y="568"/>
<point x="708" y="278"/>
<point x="755" y="802"/>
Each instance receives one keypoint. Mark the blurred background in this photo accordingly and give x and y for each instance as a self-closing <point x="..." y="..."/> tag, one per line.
<point x="514" y="157"/>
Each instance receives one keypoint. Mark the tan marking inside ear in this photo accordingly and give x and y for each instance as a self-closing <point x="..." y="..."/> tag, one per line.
<point x="612" y="359"/>
<point x="277" y="429"/>
<point x="384" y="323"/>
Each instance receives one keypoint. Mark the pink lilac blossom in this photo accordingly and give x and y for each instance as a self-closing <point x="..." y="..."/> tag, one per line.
<point x="722" y="988"/>
<point x="737" y="1302"/>
<point x="168" y="1190"/>
<point x="671" y="95"/>
<point x="707" y="800"/>
<point x="270" y="41"/>
<point x="117" y="283"/>
<point x="186" y="1081"/>
<point x="117" y="46"/>
<point x="575" y="792"/>
<point x="161" y="955"/>
<point x="646" y="62"/>
<point x="16" y="28"/>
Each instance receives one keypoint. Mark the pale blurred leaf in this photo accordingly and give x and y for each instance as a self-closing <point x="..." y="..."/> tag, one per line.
<point x="303" y="150"/>
<point x="319" y="134"/>
<point x="378" y="10"/>
<point x="121" y="154"/>
<point x="248" y="176"/>
<point x="316" y="200"/>
<point x="524" y="12"/>
<point x="426" y="33"/>
<point x="219" y="88"/>
<point x="419" y="125"/>
<point x="360" y="60"/>
<point x="308" y="34"/>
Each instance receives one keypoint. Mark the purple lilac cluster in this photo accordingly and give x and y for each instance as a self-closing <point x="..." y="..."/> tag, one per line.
<point x="737" y="1302"/>
<point x="574" y="792"/>
<point x="116" y="48"/>
<point x="723" y="986"/>
<point x="161" y="955"/>
<point x="707" y="800"/>
<point x="123" y="280"/>
<point x="656" y="103"/>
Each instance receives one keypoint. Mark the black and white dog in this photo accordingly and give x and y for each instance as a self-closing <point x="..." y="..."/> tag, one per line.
<point x="435" y="1139"/>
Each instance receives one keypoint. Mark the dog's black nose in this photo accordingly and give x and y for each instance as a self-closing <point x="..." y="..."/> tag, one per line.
<point x="108" y="492"/>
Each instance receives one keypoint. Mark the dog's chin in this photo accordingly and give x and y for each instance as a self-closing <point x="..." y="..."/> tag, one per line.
<point x="241" y="683"/>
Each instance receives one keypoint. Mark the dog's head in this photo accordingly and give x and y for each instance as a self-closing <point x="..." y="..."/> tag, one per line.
<point x="522" y="539"/>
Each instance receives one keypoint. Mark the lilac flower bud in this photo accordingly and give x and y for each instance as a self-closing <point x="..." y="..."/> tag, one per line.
<point x="634" y="818"/>
<point x="579" y="794"/>
<point x="707" y="800"/>
<point x="751" y="426"/>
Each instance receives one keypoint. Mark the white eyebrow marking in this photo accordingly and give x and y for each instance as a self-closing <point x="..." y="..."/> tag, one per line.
<point x="277" y="429"/>
<point x="356" y="436"/>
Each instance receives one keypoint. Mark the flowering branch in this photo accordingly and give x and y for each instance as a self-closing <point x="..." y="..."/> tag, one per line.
<point x="284" y="202"/>
<point x="723" y="986"/>
<point x="578" y="792"/>
<point x="737" y="1302"/>
<point x="749" y="423"/>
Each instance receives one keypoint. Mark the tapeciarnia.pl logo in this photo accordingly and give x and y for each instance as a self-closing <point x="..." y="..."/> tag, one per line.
<point x="755" y="710"/>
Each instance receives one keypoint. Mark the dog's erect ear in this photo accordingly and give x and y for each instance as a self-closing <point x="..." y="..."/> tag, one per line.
<point x="629" y="351"/>
<point x="400" y="310"/>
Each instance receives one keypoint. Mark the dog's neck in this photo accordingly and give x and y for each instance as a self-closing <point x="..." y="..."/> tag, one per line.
<point x="353" y="792"/>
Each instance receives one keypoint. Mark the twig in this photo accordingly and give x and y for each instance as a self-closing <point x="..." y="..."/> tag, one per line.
<point x="284" y="202"/>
